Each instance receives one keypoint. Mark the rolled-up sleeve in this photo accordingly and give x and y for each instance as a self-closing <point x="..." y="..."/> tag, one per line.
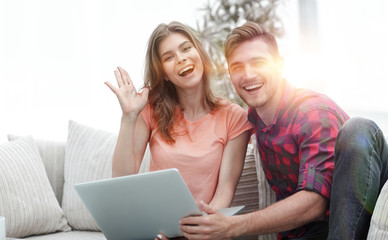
<point x="318" y="132"/>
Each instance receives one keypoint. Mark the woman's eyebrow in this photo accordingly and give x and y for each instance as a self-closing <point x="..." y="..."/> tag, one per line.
<point x="180" y="46"/>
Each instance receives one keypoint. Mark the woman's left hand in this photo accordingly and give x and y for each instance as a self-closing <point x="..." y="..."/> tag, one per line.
<point x="160" y="236"/>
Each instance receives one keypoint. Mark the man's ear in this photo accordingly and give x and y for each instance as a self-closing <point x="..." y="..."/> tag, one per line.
<point x="280" y="64"/>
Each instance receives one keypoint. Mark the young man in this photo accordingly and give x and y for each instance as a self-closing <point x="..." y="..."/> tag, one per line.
<point x="296" y="131"/>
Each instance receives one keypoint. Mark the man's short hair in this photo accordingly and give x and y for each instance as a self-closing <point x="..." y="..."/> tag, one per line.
<point x="247" y="32"/>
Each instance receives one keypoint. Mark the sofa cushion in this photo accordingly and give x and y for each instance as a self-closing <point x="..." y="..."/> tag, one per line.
<point x="73" y="235"/>
<point x="253" y="190"/>
<point x="246" y="191"/>
<point x="26" y="198"/>
<point x="379" y="224"/>
<point x="266" y="194"/>
<point x="53" y="157"/>
<point x="88" y="157"/>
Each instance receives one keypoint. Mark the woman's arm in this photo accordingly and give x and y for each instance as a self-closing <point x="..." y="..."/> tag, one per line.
<point x="134" y="133"/>
<point x="231" y="167"/>
<point x="130" y="147"/>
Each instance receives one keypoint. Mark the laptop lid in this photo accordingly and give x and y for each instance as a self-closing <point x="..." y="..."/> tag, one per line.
<point x="140" y="206"/>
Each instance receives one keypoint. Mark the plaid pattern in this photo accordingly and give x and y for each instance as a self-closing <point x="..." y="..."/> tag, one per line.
<point x="297" y="149"/>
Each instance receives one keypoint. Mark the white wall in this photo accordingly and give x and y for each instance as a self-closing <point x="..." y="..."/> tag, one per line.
<point x="354" y="42"/>
<point x="56" y="54"/>
<point x="350" y="63"/>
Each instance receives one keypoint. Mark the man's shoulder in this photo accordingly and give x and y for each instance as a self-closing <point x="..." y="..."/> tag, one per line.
<point x="307" y="100"/>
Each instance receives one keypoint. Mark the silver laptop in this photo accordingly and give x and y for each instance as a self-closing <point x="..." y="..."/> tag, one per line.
<point x="141" y="206"/>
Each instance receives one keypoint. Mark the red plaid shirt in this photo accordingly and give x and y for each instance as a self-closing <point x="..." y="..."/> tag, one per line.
<point x="297" y="149"/>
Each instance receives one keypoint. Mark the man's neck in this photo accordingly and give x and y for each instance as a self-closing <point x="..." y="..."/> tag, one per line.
<point x="266" y="115"/>
<point x="268" y="112"/>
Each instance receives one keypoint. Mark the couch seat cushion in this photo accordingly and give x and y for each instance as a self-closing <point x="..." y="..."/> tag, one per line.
<point x="74" y="235"/>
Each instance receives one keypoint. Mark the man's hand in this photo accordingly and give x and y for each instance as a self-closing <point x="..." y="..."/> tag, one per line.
<point x="212" y="226"/>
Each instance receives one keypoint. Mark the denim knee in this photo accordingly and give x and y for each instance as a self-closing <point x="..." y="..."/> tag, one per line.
<point x="356" y="127"/>
<point x="357" y="134"/>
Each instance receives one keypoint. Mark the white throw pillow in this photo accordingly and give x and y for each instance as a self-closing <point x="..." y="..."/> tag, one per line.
<point x="53" y="157"/>
<point x="26" y="198"/>
<point x="88" y="157"/>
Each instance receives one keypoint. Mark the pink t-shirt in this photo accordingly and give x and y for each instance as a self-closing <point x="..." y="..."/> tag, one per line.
<point x="198" y="153"/>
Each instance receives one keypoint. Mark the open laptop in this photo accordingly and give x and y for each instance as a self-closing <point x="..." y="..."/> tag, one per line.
<point x="141" y="206"/>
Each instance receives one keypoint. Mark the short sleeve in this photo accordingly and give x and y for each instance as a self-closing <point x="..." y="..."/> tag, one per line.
<point x="237" y="121"/>
<point x="146" y="113"/>
<point x="317" y="135"/>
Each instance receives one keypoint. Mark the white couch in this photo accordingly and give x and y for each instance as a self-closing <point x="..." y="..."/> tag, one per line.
<point x="37" y="196"/>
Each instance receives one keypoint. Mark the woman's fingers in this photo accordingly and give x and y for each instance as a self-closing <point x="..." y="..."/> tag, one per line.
<point x="144" y="93"/>
<point x="125" y="76"/>
<point x="120" y="82"/>
<point x="124" y="82"/>
<point x="161" y="237"/>
<point x="125" y="79"/>
<point x="113" y="88"/>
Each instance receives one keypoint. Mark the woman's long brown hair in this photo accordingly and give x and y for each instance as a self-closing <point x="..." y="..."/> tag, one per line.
<point x="163" y="97"/>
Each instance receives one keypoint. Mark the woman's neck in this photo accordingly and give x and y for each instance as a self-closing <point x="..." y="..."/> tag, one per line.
<point x="192" y="103"/>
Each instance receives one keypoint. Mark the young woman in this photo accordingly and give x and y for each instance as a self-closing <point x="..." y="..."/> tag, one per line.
<point x="186" y="126"/>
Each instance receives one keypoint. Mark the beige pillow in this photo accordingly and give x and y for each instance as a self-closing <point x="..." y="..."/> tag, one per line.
<point x="253" y="190"/>
<point x="247" y="191"/>
<point x="379" y="224"/>
<point x="26" y="198"/>
<point x="53" y="157"/>
<point x="266" y="194"/>
<point x="88" y="157"/>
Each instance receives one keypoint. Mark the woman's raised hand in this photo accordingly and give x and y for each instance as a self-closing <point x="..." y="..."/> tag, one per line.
<point x="130" y="101"/>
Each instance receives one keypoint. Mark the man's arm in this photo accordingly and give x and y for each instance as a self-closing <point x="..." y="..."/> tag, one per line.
<point x="295" y="211"/>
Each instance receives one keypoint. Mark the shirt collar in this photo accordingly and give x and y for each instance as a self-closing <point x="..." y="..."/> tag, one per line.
<point x="287" y="95"/>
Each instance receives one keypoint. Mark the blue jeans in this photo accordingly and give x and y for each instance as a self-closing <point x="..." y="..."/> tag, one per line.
<point x="361" y="155"/>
